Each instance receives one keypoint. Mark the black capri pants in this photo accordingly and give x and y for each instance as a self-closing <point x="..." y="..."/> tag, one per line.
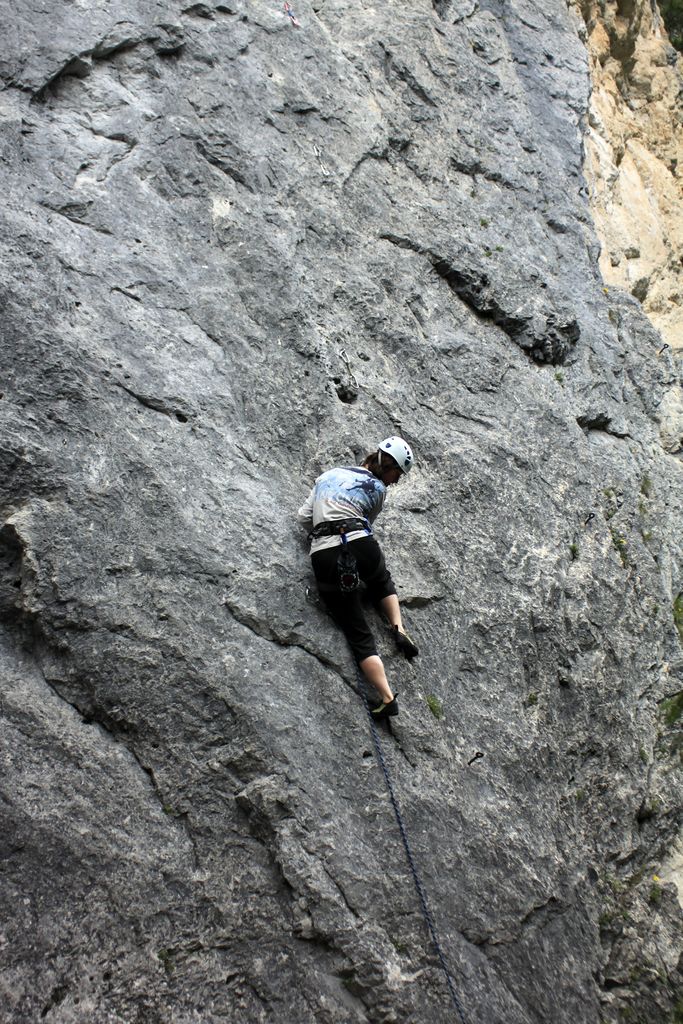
<point x="347" y="609"/>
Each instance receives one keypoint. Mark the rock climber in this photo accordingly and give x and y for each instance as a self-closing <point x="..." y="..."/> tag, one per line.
<point x="341" y="507"/>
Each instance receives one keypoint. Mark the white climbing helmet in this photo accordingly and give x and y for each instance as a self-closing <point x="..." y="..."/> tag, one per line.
<point x="399" y="450"/>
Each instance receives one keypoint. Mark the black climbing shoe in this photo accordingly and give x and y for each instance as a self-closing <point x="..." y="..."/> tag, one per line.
<point x="406" y="646"/>
<point x="389" y="710"/>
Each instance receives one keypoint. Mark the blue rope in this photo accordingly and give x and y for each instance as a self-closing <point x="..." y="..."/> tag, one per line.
<point x="409" y="854"/>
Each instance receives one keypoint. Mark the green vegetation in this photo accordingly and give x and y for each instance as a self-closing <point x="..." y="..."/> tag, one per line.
<point x="559" y="377"/>
<point x="167" y="960"/>
<point x="643" y="510"/>
<point x="434" y="705"/>
<point x="655" y="894"/>
<point x="642" y="753"/>
<point x="678" y="1013"/>
<point x="637" y="877"/>
<point x="620" y="545"/>
<point x="649" y="810"/>
<point x="532" y="699"/>
<point x="672" y="709"/>
<point x="615" y="884"/>
<point x="574" y="551"/>
<point x="672" y="13"/>
<point x="348" y="978"/>
<point x="484" y="222"/>
<point x="612" y="503"/>
<point x="678" y="615"/>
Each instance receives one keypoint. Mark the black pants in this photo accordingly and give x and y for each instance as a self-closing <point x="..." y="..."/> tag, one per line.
<point x="347" y="609"/>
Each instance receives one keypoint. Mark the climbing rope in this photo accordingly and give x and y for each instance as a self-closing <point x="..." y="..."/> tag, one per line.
<point x="409" y="853"/>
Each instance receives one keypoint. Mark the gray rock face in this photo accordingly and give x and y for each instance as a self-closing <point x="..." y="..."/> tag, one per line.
<point x="236" y="252"/>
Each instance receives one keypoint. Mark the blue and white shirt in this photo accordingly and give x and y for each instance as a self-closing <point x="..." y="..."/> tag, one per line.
<point x="349" y="493"/>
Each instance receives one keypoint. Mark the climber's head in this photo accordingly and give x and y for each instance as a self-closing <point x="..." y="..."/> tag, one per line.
<point x="392" y="460"/>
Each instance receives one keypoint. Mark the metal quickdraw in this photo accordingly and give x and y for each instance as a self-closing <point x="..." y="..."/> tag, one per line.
<point x="287" y="8"/>
<point x="344" y="357"/>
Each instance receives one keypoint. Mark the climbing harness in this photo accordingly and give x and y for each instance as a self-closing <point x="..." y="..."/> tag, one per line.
<point x="348" y="577"/>
<point x="409" y="853"/>
<point x="333" y="527"/>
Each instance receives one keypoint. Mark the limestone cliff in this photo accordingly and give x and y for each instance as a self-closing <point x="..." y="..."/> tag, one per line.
<point x="634" y="159"/>
<point x="237" y="250"/>
<point x="634" y="147"/>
